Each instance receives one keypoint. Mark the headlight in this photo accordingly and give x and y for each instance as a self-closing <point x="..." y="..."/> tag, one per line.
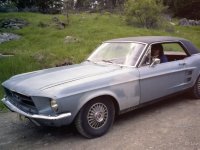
<point x="54" y="105"/>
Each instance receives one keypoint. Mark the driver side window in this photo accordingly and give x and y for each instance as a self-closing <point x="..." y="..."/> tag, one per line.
<point x="166" y="52"/>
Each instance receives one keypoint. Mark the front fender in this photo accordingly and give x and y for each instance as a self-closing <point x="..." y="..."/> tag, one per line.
<point x="94" y="94"/>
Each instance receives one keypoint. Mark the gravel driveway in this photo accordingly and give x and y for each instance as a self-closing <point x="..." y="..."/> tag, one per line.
<point x="171" y="124"/>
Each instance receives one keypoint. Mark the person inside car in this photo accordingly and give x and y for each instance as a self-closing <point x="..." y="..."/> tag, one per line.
<point x="157" y="52"/>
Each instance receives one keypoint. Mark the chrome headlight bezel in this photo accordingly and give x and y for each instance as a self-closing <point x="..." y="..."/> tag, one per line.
<point x="54" y="105"/>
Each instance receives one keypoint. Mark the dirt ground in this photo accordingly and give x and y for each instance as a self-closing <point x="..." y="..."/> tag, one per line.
<point x="173" y="124"/>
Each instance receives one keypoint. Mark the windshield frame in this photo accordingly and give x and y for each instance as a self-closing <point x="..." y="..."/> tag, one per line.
<point x="122" y="65"/>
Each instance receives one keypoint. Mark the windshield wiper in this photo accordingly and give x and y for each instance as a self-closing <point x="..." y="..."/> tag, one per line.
<point x="109" y="61"/>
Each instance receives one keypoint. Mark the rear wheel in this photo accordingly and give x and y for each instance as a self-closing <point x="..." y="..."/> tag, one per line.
<point x="196" y="89"/>
<point x="95" y="118"/>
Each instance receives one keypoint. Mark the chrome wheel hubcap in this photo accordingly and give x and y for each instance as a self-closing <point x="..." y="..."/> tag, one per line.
<point x="97" y="115"/>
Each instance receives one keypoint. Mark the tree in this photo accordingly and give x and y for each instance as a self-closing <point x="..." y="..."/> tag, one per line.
<point x="49" y="6"/>
<point x="7" y="6"/>
<point x="144" y="13"/>
<point x="45" y="6"/>
<point x="184" y="8"/>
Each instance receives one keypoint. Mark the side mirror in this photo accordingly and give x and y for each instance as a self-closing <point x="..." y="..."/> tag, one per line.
<point x="155" y="62"/>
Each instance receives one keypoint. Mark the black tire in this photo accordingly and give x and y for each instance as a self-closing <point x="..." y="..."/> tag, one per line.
<point x="196" y="89"/>
<point x="95" y="118"/>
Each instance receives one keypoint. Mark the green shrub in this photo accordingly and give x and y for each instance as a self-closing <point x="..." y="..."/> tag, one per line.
<point x="144" y="13"/>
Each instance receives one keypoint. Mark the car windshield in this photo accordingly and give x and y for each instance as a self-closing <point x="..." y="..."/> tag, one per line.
<point x="117" y="53"/>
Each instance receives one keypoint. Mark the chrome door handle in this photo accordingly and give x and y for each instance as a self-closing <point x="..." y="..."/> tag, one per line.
<point x="182" y="64"/>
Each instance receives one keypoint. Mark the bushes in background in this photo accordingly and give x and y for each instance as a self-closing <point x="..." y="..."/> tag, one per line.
<point x="144" y="13"/>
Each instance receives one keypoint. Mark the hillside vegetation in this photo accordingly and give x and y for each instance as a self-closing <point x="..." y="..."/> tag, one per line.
<point x="43" y="47"/>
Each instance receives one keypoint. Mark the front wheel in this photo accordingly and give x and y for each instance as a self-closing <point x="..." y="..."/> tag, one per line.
<point x="196" y="89"/>
<point x="95" y="118"/>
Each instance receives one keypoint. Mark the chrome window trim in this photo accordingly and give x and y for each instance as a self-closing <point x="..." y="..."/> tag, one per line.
<point x="141" y="55"/>
<point x="143" y="50"/>
<point x="146" y="51"/>
<point x="125" y="42"/>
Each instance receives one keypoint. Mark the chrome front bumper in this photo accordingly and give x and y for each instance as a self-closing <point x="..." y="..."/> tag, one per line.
<point x="15" y="109"/>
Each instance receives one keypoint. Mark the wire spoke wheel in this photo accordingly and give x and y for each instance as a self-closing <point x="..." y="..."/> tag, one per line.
<point x="95" y="118"/>
<point x="97" y="115"/>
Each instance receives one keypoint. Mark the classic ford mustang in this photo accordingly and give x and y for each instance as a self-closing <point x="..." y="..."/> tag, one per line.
<point x="120" y="75"/>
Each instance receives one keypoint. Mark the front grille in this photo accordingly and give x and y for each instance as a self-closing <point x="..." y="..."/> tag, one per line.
<point x="21" y="101"/>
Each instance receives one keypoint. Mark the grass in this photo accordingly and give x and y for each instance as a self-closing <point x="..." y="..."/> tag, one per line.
<point x="44" y="47"/>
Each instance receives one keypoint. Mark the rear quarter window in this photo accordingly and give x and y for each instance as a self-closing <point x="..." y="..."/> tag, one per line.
<point x="174" y="51"/>
<point x="176" y="47"/>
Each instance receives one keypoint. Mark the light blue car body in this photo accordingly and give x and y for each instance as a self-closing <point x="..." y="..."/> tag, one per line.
<point x="73" y="86"/>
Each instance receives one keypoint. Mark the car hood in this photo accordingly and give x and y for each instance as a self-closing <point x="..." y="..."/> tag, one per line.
<point x="44" y="79"/>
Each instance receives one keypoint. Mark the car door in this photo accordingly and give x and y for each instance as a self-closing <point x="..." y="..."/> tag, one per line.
<point x="161" y="79"/>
